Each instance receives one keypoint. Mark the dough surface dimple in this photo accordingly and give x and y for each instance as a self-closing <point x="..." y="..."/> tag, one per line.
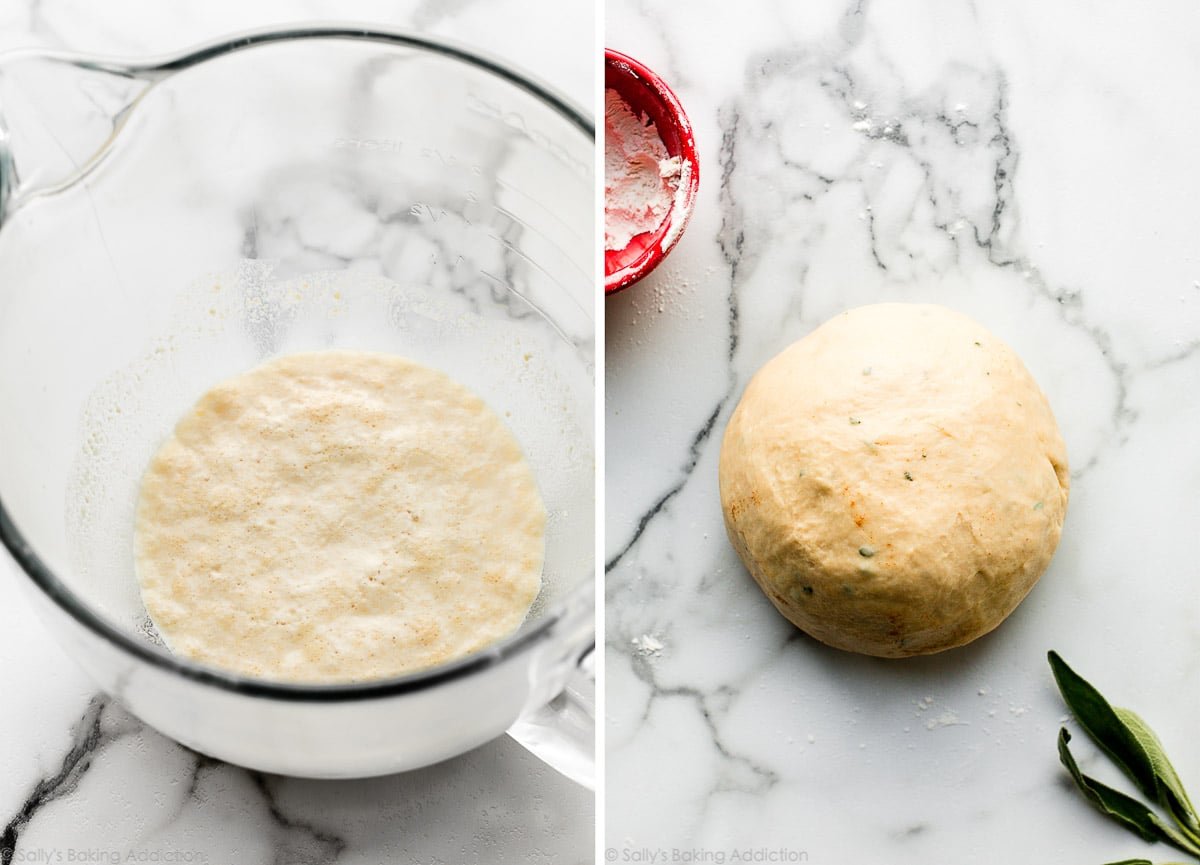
<point x="895" y="481"/>
<point x="338" y="516"/>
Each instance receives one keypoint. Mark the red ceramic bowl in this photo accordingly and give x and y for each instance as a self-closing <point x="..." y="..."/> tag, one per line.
<point x="645" y="92"/>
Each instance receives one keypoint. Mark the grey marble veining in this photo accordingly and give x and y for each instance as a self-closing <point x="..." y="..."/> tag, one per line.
<point x="121" y="790"/>
<point x="1018" y="163"/>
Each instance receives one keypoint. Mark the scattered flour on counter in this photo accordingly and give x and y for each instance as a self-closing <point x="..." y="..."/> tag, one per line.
<point x="948" y="718"/>
<point x="647" y="645"/>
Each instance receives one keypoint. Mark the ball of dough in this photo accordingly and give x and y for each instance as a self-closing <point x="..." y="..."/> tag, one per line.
<point x="895" y="482"/>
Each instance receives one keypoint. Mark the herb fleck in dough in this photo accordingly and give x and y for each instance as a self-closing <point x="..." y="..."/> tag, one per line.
<point x="921" y="524"/>
<point x="338" y="516"/>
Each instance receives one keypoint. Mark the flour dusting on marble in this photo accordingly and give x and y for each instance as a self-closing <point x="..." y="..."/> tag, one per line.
<point x="948" y="718"/>
<point x="647" y="645"/>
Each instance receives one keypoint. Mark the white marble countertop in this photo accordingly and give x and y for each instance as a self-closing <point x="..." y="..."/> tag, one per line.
<point x="79" y="777"/>
<point x="1030" y="164"/>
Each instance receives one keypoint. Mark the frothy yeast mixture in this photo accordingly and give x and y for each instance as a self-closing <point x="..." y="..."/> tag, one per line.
<point x="338" y="516"/>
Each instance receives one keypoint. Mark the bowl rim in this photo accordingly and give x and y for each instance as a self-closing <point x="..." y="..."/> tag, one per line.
<point x="579" y="601"/>
<point x="641" y="267"/>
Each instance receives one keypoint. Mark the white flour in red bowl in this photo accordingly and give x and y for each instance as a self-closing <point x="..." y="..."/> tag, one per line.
<point x="640" y="177"/>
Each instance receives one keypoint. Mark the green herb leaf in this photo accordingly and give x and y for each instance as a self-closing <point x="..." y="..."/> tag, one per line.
<point x="1172" y="796"/>
<point x="1134" y="815"/>
<point x="1132" y="746"/>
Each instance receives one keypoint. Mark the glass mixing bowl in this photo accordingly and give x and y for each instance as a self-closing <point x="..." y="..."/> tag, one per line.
<point x="166" y="224"/>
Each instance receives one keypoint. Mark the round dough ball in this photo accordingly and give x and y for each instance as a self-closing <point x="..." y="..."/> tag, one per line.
<point x="895" y="481"/>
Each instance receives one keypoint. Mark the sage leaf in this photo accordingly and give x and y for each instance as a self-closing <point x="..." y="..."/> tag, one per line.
<point x="1132" y="814"/>
<point x="1129" y="742"/>
<point x="1172" y="796"/>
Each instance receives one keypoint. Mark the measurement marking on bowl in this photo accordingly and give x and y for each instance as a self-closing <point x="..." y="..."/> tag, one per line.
<point x="519" y="221"/>
<point x="535" y="265"/>
<point x="427" y="212"/>
<point x="517" y="122"/>
<point x="435" y="153"/>
<point x="501" y="182"/>
<point x="508" y="287"/>
<point x="421" y="210"/>
<point x="538" y="233"/>
<point x="433" y="258"/>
